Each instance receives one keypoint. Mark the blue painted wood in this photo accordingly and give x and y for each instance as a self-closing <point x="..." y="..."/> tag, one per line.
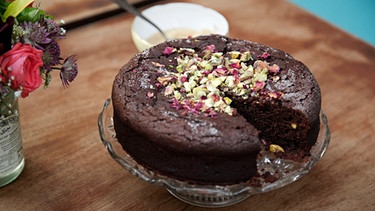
<point x="355" y="17"/>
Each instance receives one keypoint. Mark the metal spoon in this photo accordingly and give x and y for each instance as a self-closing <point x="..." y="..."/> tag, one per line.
<point x="124" y="4"/>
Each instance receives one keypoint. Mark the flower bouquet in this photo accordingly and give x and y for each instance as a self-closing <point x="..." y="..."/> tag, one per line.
<point x="28" y="53"/>
<point x="29" y="50"/>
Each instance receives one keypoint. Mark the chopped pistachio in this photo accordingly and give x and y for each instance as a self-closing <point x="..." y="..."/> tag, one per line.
<point x="206" y="54"/>
<point x="165" y="79"/>
<point x="246" y="75"/>
<point x="199" y="92"/>
<point x="241" y="92"/>
<point x="177" y="95"/>
<point x="229" y="81"/>
<point x="216" y="82"/>
<point x="199" y="84"/>
<point x="245" y="56"/>
<point x="216" y="59"/>
<point x="227" y="100"/>
<point x="228" y="110"/>
<point x="218" y="104"/>
<point x="187" y="86"/>
<point x="192" y="83"/>
<point x="294" y="125"/>
<point x="168" y="90"/>
<point x="208" y="67"/>
<point x="235" y="54"/>
<point x="260" y="77"/>
<point x="187" y="51"/>
<point x="203" y="80"/>
<point x="276" y="148"/>
<point x="209" y="102"/>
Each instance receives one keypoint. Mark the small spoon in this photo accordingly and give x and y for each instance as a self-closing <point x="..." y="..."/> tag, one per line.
<point x="124" y="4"/>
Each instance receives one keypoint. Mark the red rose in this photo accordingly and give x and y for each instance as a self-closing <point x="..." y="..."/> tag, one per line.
<point x="20" y="66"/>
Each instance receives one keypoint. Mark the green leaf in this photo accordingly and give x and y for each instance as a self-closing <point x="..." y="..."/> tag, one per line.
<point x="31" y="14"/>
<point x="16" y="8"/>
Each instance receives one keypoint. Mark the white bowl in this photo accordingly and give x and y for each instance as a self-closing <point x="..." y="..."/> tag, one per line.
<point x="178" y="20"/>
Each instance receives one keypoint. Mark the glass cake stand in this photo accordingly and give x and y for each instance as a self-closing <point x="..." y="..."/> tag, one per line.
<point x="216" y="195"/>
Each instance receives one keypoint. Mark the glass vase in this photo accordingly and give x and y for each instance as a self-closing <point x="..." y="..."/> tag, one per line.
<point x="11" y="151"/>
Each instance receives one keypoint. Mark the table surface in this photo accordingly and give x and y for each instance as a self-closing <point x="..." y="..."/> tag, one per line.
<point x="68" y="168"/>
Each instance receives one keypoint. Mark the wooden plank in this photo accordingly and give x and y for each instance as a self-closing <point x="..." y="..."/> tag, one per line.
<point x="77" y="10"/>
<point x="68" y="168"/>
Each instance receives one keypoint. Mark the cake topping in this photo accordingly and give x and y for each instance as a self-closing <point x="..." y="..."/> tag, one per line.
<point x="200" y="83"/>
<point x="264" y="55"/>
<point x="168" y="51"/>
<point x="150" y="94"/>
<point x="276" y="148"/>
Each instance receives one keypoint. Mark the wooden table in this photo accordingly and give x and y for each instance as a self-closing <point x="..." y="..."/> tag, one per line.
<point x="68" y="168"/>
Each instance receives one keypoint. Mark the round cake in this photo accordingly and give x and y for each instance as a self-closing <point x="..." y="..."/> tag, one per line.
<point x="201" y="109"/>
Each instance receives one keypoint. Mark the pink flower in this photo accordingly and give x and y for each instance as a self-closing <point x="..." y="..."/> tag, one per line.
<point x="20" y="66"/>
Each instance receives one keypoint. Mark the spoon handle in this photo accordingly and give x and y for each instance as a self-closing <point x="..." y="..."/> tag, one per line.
<point x="124" y="4"/>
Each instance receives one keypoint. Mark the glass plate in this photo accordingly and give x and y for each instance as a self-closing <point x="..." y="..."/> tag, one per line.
<point x="215" y="195"/>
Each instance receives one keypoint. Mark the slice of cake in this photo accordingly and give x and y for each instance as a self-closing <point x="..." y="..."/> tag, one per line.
<point x="200" y="109"/>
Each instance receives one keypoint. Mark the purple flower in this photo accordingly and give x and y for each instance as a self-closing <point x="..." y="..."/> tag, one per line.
<point x="69" y="70"/>
<point x="35" y="35"/>
<point x="51" y="56"/>
<point x="41" y="34"/>
<point x="53" y="29"/>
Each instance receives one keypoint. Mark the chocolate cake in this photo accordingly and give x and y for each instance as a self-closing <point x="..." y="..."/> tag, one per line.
<point x="201" y="109"/>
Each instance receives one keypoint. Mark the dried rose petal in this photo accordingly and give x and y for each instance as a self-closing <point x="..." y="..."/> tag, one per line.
<point x="183" y="79"/>
<point x="258" y="86"/>
<point x="265" y="55"/>
<point x="168" y="51"/>
<point x="235" y="65"/>
<point x="211" y="48"/>
<point x="274" y="69"/>
<point x="150" y="94"/>
<point x="221" y="71"/>
<point x="198" y="83"/>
